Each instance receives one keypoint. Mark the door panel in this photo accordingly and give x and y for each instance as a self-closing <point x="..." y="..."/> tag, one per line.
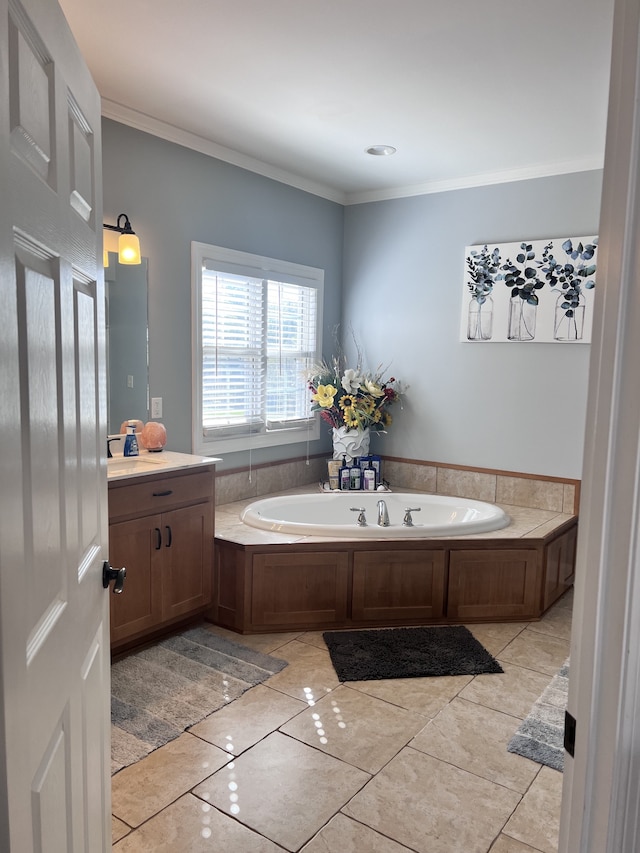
<point x="54" y="638"/>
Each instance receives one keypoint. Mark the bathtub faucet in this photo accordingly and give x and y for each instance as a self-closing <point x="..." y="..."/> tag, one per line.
<point x="383" y="515"/>
<point x="408" y="521"/>
<point x="362" y="520"/>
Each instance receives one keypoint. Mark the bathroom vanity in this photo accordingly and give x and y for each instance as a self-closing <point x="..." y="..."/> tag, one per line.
<point x="161" y="528"/>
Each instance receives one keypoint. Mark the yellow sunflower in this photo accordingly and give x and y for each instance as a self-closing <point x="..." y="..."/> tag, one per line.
<point x="366" y="405"/>
<point x="347" y="401"/>
<point x="350" y="417"/>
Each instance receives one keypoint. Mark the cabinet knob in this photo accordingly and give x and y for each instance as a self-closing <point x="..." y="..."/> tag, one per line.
<point x="117" y="575"/>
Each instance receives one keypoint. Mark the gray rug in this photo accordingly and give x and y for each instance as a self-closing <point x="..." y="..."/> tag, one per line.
<point x="160" y="691"/>
<point x="540" y="736"/>
<point x="407" y="653"/>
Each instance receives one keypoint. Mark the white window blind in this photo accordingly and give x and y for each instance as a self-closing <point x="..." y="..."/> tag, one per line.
<point x="255" y="337"/>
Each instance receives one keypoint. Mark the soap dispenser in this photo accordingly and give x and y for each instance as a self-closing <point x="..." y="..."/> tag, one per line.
<point x="131" y="442"/>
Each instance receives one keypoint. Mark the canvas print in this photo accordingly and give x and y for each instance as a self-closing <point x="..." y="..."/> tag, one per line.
<point x="529" y="291"/>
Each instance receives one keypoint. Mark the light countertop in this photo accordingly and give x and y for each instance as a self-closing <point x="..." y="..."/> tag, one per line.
<point x="120" y="467"/>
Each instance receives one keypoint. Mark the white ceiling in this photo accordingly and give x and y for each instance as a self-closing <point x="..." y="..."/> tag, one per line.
<point x="470" y="92"/>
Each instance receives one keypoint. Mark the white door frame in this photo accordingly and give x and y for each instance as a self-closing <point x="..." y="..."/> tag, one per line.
<point x="601" y="791"/>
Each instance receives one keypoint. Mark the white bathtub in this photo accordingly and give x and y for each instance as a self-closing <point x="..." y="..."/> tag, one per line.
<point x="330" y="514"/>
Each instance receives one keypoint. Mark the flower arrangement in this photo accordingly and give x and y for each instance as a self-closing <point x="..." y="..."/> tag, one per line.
<point x="349" y="397"/>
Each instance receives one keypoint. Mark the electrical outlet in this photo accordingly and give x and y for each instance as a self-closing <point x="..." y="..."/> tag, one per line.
<point x="129" y="381"/>
<point x="156" y="407"/>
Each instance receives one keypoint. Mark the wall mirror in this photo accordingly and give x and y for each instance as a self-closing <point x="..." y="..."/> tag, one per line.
<point x="127" y="342"/>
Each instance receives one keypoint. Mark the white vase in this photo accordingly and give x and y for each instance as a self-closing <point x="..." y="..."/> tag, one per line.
<point x="350" y="443"/>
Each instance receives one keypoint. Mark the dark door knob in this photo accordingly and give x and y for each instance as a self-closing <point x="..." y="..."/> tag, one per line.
<point x="117" y="575"/>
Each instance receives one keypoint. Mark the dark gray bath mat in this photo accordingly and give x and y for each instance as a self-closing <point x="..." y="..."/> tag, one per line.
<point x="407" y="653"/>
<point x="160" y="691"/>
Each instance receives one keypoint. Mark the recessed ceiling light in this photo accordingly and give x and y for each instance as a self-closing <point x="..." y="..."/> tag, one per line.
<point x="381" y="150"/>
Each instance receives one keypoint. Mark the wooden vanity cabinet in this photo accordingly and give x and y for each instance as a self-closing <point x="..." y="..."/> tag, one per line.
<point x="161" y="529"/>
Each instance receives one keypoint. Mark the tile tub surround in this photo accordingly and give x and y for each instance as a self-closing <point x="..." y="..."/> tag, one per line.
<point x="301" y="725"/>
<point x="500" y="487"/>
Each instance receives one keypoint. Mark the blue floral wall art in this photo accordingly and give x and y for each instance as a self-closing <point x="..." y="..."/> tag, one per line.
<point x="529" y="291"/>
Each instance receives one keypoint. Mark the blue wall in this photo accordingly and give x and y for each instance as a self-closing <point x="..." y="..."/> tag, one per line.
<point x="393" y="273"/>
<point x="512" y="406"/>
<point x="174" y="196"/>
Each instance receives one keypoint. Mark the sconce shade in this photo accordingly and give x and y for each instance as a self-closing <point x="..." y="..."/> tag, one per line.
<point x="129" y="249"/>
<point x="128" y="245"/>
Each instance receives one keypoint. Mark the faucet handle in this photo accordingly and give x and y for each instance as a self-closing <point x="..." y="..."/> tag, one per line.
<point x="362" y="521"/>
<point x="408" y="520"/>
<point x="109" y="440"/>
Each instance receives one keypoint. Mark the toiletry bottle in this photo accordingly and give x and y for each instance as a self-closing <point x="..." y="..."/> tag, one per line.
<point x="333" y="467"/>
<point x="131" y="442"/>
<point x="369" y="475"/>
<point x="345" y="477"/>
<point x="355" y="481"/>
<point x="377" y="467"/>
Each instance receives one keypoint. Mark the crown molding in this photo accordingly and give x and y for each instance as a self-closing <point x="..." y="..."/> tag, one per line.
<point x="155" y="127"/>
<point x="542" y="170"/>
<point x="148" y="124"/>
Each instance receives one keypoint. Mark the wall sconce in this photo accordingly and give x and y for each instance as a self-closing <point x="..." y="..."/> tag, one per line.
<point x="128" y="245"/>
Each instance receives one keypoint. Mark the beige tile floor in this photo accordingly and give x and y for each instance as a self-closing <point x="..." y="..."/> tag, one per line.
<point x="304" y="763"/>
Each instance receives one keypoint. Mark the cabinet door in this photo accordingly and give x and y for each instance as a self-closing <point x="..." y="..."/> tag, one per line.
<point x="137" y="545"/>
<point x="187" y="546"/>
<point x="494" y="584"/>
<point x="398" y="585"/>
<point x="560" y="561"/>
<point x="299" y="590"/>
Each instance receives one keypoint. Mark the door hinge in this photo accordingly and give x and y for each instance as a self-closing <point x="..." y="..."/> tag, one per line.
<point x="569" y="733"/>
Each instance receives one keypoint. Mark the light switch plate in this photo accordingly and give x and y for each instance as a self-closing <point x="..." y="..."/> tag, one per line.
<point x="156" y="407"/>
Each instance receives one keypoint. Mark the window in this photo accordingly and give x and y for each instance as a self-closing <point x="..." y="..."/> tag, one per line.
<point x="256" y="331"/>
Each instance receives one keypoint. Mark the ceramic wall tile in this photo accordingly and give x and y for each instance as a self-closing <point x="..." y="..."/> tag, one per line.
<point x="407" y="475"/>
<point x="467" y="484"/>
<point x="569" y="499"/>
<point x="523" y="491"/>
<point x="234" y="487"/>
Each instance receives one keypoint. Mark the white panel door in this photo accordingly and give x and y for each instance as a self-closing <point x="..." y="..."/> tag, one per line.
<point x="54" y="643"/>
